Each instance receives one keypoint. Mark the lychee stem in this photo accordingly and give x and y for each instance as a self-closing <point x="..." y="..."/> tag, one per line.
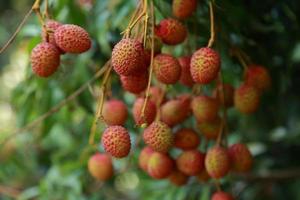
<point x="212" y="26"/>
<point x="46" y="11"/>
<point x="217" y="184"/>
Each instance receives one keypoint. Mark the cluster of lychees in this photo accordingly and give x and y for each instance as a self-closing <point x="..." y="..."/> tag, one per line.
<point x="57" y="39"/>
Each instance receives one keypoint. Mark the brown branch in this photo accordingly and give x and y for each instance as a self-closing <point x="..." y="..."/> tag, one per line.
<point x="212" y="25"/>
<point x="55" y="108"/>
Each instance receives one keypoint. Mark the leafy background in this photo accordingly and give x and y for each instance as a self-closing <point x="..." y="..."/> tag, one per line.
<point x="49" y="161"/>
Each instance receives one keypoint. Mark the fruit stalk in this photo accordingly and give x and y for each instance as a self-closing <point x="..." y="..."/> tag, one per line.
<point x="212" y="25"/>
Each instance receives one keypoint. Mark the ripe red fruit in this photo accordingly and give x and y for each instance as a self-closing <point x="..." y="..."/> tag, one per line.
<point x="227" y="99"/>
<point x="128" y="57"/>
<point x="240" y="157"/>
<point x="258" y="76"/>
<point x="217" y="162"/>
<point x="205" y="108"/>
<point x="171" y="31"/>
<point x="246" y="99"/>
<point x="144" y="157"/>
<point x="150" y="111"/>
<point x="166" y="68"/>
<point x="205" y="65"/>
<point x="115" y="112"/>
<point x="72" y="38"/>
<point x="183" y="8"/>
<point x="221" y="196"/>
<point x="50" y="28"/>
<point x="160" y="165"/>
<point x="158" y="136"/>
<point x="100" y="166"/>
<point x="45" y="59"/>
<point x="178" y="178"/>
<point x="157" y="95"/>
<point x="175" y="111"/>
<point x="116" y="141"/>
<point x="186" y="139"/>
<point x="135" y="83"/>
<point x="185" y="77"/>
<point x="190" y="162"/>
<point x="211" y="129"/>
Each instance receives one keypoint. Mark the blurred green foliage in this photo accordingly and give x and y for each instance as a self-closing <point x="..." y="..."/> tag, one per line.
<point x="49" y="162"/>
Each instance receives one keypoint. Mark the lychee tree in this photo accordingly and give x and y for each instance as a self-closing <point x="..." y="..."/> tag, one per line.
<point x="151" y="99"/>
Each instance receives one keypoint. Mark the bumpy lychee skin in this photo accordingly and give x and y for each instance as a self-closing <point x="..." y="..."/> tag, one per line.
<point x="158" y="136"/>
<point x="240" y="157"/>
<point x="227" y="99"/>
<point x="45" y="59"/>
<point x="211" y="129"/>
<point x="205" y="65"/>
<point x="217" y="162"/>
<point x="72" y="38"/>
<point x="100" y="166"/>
<point x="144" y="157"/>
<point x="149" y="114"/>
<point x="205" y="108"/>
<point x="166" y="68"/>
<point x="186" y="139"/>
<point x="183" y="8"/>
<point x="221" y="196"/>
<point x="246" y="99"/>
<point x="185" y="77"/>
<point x="171" y="31"/>
<point x="178" y="178"/>
<point x="116" y="141"/>
<point x="128" y="56"/>
<point x="160" y="165"/>
<point x="50" y="28"/>
<point x="190" y="162"/>
<point x="135" y="83"/>
<point x="259" y="77"/>
<point x="174" y="111"/>
<point x="115" y="112"/>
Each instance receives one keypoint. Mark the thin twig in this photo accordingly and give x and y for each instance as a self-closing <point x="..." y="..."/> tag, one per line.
<point x="212" y="25"/>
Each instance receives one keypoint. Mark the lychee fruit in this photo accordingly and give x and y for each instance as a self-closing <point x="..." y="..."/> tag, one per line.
<point x="227" y="99"/>
<point x="157" y="95"/>
<point x="185" y="77"/>
<point x="115" y="112"/>
<point x="72" y="38"/>
<point x="246" y="99"/>
<point x="160" y="165"/>
<point x="45" y="59"/>
<point x="178" y="178"/>
<point x="217" y="162"/>
<point x="144" y="157"/>
<point x="190" y="162"/>
<point x="240" y="157"/>
<point x="222" y="196"/>
<point x="128" y="57"/>
<point x="100" y="166"/>
<point x="135" y="83"/>
<point x="50" y="28"/>
<point x="205" y="65"/>
<point x="149" y="114"/>
<point x="186" y="139"/>
<point x="158" y="136"/>
<point x="171" y="31"/>
<point x="211" y="129"/>
<point x="205" y="108"/>
<point x="258" y="76"/>
<point x="116" y="141"/>
<point x="183" y="8"/>
<point x="166" y="68"/>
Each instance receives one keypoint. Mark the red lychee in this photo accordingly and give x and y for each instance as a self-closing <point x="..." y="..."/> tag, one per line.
<point x="135" y="83"/>
<point x="45" y="59"/>
<point x="227" y="99"/>
<point x="72" y="38"/>
<point x="166" y="68"/>
<point x="205" y="108"/>
<point x="222" y="196"/>
<point x="116" y="141"/>
<point x="205" y="65"/>
<point x="160" y="165"/>
<point x="157" y="95"/>
<point x="50" y="28"/>
<point x="171" y="31"/>
<point x="115" y="112"/>
<point x="158" y="136"/>
<point x="190" y="162"/>
<point x="185" y="77"/>
<point x="258" y="76"/>
<point x="211" y="129"/>
<point x="144" y="157"/>
<point x="149" y="114"/>
<point x="183" y="8"/>
<point x="100" y="166"/>
<point x="246" y="99"/>
<point x="217" y="162"/>
<point x="178" y="178"/>
<point x="186" y="139"/>
<point x="240" y="157"/>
